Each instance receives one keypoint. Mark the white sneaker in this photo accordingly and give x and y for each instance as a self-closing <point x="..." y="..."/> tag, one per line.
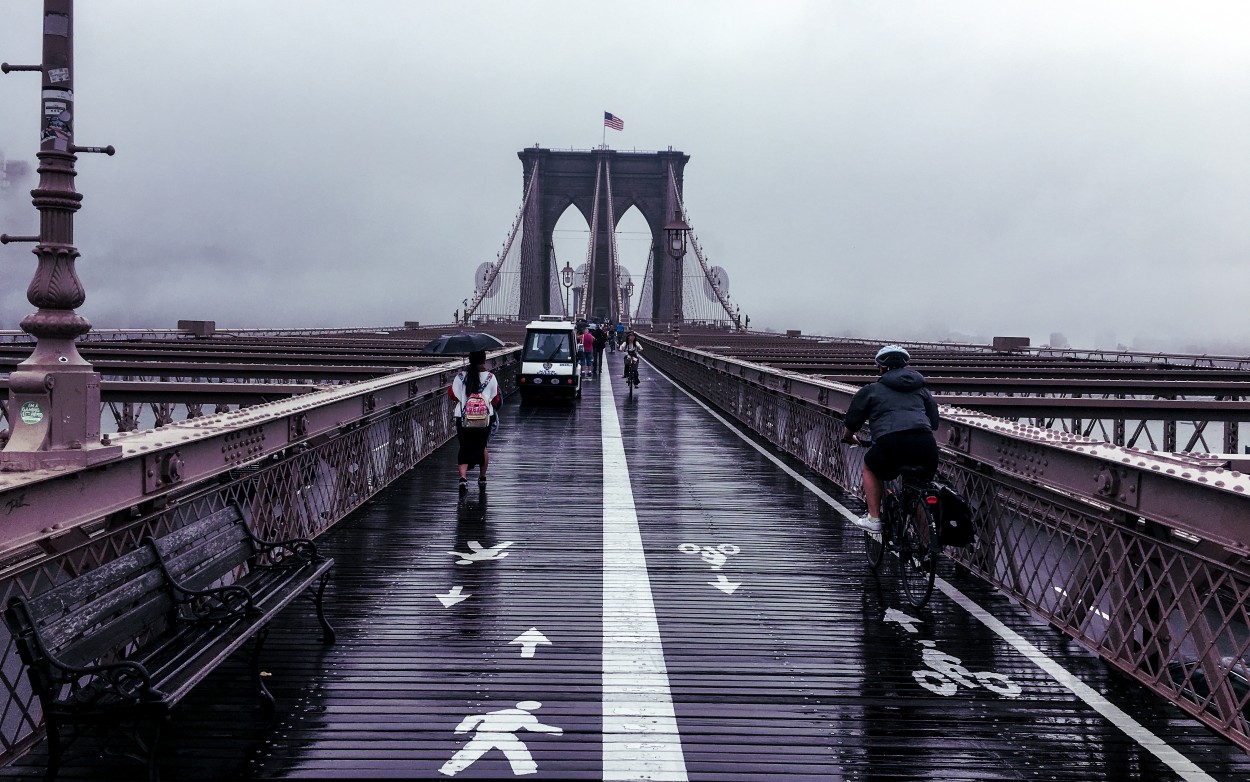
<point x="867" y="523"/>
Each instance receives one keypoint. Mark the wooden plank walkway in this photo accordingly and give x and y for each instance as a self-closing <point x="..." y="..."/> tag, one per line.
<point x="785" y="659"/>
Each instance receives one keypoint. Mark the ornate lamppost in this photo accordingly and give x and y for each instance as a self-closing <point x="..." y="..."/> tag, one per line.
<point x="629" y="297"/>
<point x="675" y="232"/>
<point x="566" y="277"/>
<point x="54" y="395"/>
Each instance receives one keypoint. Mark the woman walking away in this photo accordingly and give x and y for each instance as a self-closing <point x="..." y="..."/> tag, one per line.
<point x="476" y="393"/>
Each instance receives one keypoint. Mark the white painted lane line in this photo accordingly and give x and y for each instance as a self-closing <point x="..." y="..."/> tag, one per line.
<point x="640" y="738"/>
<point x="1182" y="765"/>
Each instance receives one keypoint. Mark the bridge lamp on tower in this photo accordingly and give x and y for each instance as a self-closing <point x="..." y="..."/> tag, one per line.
<point x="629" y="295"/>
<point x="566" y="278"/>
<point x="675" y="232"/>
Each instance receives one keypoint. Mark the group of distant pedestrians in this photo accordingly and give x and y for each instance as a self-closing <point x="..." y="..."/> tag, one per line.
<point x="593" y="339"/>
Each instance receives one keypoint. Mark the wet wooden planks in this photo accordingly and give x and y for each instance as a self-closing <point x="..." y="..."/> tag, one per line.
<point x="788" y="667"/>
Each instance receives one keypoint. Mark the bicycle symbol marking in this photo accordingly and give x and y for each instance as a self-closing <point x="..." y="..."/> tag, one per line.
<point x="716" y="557"/>
<point x="945" y="673"/>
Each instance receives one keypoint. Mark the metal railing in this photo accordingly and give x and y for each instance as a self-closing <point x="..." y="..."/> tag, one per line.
<point x="295" y="469"/>
<point x="1142" y="557"/>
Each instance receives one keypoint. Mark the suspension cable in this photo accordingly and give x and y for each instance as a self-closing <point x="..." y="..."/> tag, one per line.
<point x="480" y="294"/>
<point x="721" y="296"/>
<point x="613" y="260"/>
<point x="590" y="250"/>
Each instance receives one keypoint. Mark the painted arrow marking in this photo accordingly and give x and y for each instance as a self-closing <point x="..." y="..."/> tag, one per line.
<point x="454" y="596"/>
<point x="529" y="641"/>
<point x="725" y="585"/>
<point x="908" y="623"/>
<point x="478" y="553"/>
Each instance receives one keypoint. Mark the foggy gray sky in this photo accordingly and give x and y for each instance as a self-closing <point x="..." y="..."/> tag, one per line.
<point x="909" y="169"/>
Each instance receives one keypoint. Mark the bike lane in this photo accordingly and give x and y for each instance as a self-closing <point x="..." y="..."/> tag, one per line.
<point x="787" y="656"/>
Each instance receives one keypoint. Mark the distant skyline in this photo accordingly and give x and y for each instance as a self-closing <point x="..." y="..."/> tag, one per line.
<point x="904" y="169"/>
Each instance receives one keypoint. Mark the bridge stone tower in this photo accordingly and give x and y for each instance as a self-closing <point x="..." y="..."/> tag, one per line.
<point x="638" y="179"/>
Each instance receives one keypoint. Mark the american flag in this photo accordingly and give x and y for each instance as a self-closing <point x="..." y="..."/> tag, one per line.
<point x="616" y="123"/>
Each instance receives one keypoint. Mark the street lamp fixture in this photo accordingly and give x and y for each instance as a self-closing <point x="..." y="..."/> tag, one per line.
<point x="629" y="297"/>
<point x="675" y="232"/>
<point x="566" y="277"/>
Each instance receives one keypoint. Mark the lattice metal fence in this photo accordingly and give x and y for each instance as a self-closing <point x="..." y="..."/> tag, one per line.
<point x="299" y="493"/>
<point x="1167" y="608"/>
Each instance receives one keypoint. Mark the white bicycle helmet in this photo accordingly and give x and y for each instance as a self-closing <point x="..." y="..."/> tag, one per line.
<point x="892" y="357"/>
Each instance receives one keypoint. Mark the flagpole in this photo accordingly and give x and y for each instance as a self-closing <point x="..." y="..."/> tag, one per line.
<point x="604" y="142"/>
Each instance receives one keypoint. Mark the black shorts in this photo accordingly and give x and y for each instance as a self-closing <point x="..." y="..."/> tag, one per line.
<point x="892" y="452"/>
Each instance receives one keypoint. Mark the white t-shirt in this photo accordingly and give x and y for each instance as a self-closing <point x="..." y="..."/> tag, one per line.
<point x="489" y="390"/>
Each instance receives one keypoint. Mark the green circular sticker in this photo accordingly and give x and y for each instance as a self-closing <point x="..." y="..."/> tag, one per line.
<point x="31" y="413"/>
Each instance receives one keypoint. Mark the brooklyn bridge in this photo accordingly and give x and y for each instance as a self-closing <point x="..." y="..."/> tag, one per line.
<point x="658" y="582"/>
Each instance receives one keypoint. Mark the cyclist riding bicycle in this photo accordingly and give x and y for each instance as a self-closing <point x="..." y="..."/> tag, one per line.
<point x="902" y="415"/>
<point x="632" y="351"/>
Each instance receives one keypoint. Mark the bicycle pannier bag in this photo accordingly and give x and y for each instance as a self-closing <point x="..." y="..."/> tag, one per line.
<point x="954" y="517"/>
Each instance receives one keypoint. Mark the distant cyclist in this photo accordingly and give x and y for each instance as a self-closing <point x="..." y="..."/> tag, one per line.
<point x="902" y="415"/>
<point x="632" y="352"/>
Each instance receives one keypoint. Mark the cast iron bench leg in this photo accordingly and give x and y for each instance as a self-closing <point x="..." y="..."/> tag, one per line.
<point x="267" y="702"/>
<point x="54" y="751"/>
<point x="327" y="632"/>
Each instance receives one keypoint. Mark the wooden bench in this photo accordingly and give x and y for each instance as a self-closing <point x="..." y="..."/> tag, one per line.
<point x="122" y="644"/>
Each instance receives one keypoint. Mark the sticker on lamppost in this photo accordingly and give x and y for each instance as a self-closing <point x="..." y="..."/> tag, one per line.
<point x="31" y="413"/>
<point x="455" y="595"/>
<point x="497" y="730"/>
<point x="529" y="641"/>
<point x="478" y="553"/>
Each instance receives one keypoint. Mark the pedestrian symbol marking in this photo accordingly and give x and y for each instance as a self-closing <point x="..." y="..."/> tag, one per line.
<point x="454" y="596"/>
<point x="497" y="730"/>
<point x="477" y="553"/>
<point x="529" y="641"/>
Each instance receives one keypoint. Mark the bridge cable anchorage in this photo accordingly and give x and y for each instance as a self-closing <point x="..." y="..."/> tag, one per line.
<point x="479" y="295"/>
<point x="721" y="296"/>
<point x="590" y="249"/>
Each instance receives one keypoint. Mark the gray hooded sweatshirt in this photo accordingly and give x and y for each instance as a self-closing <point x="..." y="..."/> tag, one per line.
<point x="897" y="402"/>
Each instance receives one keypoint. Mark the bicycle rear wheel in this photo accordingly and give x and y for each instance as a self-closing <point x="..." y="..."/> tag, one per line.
<point x="917" y="555"/>
<point x="874" y="542"/>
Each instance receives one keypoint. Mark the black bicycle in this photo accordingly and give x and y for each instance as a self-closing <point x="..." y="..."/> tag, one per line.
<point x="631" y="371"/>
<point x="909" y="531"/>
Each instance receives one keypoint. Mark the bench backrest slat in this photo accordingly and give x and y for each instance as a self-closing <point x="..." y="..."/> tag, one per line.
<point x="81" y="619"/>
<point x="120" y="631"/>
<point x="202" y="553"/>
